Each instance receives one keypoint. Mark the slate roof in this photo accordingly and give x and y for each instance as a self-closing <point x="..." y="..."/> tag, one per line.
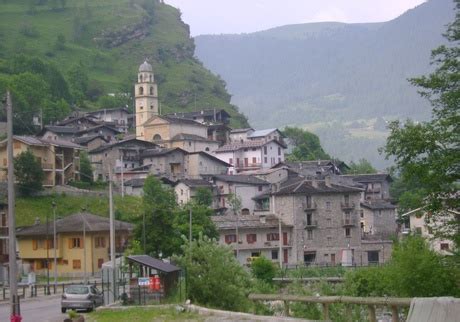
<point x="203" y="113"/>
<point x="229" y="222"/>
<point x="74" y="223"/>
<point x="249" y="180"/>
<point x="261" y="133"/>
<point x="62" y="143"/>
<point x="375" y="177"/>
<point x="119" y="143"/>
<point x="377" y="205"/>
<point x="210" y="156"/>
<point x="135" y="183"/>
<point x="160" y="152"/>
<point x="32" y="140"/>
<point x="154" y="263"/>
<point x="87" y="139"/>
<point x="195" y="183"/>
<point x="73" y="119"/>
<point x="60" y="129"/>
<point x="300" y="185"/>
<point x="109" y="110"/>
<point x="242" y="130"/>
<point x="98" y="127"/>
<point x="235" y="146"/>
<point x="190" y="137"/>
<point x="176" y="120"/>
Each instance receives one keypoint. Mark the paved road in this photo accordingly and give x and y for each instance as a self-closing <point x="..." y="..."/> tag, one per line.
<point x="41" y="309"/>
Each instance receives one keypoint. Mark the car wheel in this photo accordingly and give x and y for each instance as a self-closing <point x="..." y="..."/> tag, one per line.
<point x="63" y="309"/>
<point x="92" y="307"/>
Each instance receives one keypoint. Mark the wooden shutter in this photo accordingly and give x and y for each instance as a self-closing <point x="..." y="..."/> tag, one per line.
<point x="34" y="244"/>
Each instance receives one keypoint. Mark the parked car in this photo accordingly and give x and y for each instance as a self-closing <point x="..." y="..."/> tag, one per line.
<point x="81" y="297"/>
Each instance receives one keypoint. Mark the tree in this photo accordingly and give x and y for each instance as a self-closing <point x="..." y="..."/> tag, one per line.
<point x="428" y="153"/>
<point x="28" y="172"/>
<point x="158" y="205"/>
<point x="86" y="171"/>
<point x="203" y="197"/>
<point x="215" y="278"/>
<point x="306" y="145"/>
<point x="361" y="167"/>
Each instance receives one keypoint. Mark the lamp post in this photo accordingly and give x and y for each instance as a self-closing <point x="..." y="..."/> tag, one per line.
<point x="53" y="204"/>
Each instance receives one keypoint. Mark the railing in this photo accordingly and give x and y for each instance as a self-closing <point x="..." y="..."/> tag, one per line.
<point x="309" y="206"/>
<point x="394" y="302"/>
<point x="347" y="205"/>
<point x="248" y="166"/>
<point x="311" y="224"/>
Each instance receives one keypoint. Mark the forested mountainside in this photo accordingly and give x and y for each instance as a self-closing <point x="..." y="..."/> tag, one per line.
<point x="60" y="55"/>
<point x="329" y="76"/>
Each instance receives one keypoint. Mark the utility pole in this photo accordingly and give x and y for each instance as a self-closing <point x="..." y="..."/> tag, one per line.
<point x="112" y="235"/>
<point x="84" y="249"/>
<point x="122" y="179"/>
<point x="14" y="299"/>
<point x="47" y="257"/>
<point x="54" y="243"/>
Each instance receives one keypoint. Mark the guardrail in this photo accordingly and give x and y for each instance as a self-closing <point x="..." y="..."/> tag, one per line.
<point x="394" y="302"/>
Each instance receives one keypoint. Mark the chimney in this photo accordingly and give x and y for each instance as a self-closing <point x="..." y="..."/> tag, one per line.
<point x="327" y="181"/>
<point x="37" y="221"/>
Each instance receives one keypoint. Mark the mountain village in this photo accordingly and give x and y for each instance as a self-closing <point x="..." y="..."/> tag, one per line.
<point x="293" y="213"/>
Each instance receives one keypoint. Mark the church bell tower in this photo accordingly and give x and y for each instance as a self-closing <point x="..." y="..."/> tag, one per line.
<point x="146" y="96"/>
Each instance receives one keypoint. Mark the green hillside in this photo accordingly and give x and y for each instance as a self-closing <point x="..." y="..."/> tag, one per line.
<point x="106" y="41"/>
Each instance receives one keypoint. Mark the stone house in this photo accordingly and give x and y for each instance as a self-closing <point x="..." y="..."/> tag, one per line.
<point x="254" y="236"/>
<point x="245" y="187"/>
<point x="164" y="162"/>
<point x="55" y="132"/>
<point x="240" y="135"/>
<point x="123" y="155"/>
<point x="76" y="235"/>
<point x="202" y="164"/>
<point x="376" y="186"/>
<point x="119" y="118"/>
<point x="326" y="220"/>
<point x="107" y="132"/>
<point x="378" y="219"/>
<point x="251" y="155"/>
<point x="91" y="142"/>
<point x="134" y="187"/>
<point x="266" y="135"/>
<point x="60" y="160"/>
<point x="272" y="175"/>
<point x="317" y="167"/>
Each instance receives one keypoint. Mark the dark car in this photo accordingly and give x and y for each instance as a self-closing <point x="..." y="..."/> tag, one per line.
<point x="81" y="297"/>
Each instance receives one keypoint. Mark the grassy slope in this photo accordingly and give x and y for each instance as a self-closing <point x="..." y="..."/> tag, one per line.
<point x="184" y="84"/>
<point x="28" y="209"/>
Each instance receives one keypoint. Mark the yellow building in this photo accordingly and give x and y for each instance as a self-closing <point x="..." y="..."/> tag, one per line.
<point x="81" y="239"/>
<point x="60" y="160"/>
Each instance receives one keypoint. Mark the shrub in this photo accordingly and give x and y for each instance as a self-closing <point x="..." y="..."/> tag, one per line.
<point x="263" y="269"/>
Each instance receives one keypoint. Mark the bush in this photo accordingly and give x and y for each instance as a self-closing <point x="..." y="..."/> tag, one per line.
<point x="263" y="269"/>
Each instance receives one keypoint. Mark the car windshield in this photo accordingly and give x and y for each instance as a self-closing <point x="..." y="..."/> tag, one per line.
<point x="77" y="290"/>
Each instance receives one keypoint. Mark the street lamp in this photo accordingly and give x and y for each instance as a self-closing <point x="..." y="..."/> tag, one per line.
<point x="53" y="204"/>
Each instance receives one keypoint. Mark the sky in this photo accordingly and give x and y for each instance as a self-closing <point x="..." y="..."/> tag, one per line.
<point x="245" y="16"/>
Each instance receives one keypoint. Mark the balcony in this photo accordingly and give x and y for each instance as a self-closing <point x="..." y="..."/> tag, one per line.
<point x="248" y="166"/>
<point x="309" y="206"/>
<point x="349" y="222"/>
<point x="310" y="224"/>
<point x="347" y="205"/>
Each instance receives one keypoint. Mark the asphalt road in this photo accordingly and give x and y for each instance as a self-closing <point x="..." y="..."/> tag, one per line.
<point x="41" y="309"/>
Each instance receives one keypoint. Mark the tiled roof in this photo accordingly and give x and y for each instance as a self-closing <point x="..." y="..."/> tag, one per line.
<point x="61" y="129"/>
<point x="229" y="222"/>
<point x="211" y="157"/>
<point x="74" y="223"/>
<point x="235" y="146"/>
<point x="87" y="139"/>
<point x="135" y="183"/>
<point x="62" y="143"/>
<point x="190" y="137"/>
<point x="32" y="140"/>
<point x="300" y="185"/>
<point x="108" y="110"/>
<point x="73" y="119"/>
<point x="98" y="127"/>
<point x="242" y="130"/>
<point x="249" y="180"/>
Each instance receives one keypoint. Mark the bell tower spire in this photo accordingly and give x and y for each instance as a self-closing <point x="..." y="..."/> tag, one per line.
<point x="146" y="97"/>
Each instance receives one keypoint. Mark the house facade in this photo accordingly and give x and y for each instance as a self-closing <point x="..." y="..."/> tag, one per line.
<point x="82" y="239"/>
<point x="119" y="118"/>
<point x="186" y="189"/>
<point x="168" y="163"/>
<point x="202" y="164"/>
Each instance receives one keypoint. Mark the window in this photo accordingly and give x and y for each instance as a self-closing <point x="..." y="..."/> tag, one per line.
<point x="274" y="254"/>
<point x="76" y="264"/>
<point x="328" y="205"/>
<point x="273" y="236"/>
<point x="348" y="232"/>
<point x="251" y="238"/>
<point x="373" y="257"/>
<point x="230" y="160"/>
<point x="265" y="160"/>
<point x="328" y="223"/>
<point x="151" y="90"/>
<point x="444" y="246"/>
<point x="310" y="234"/>
<point x="309" y="257"/>
<point x="99" y="242"/>
<point x="4" y="162"/>
<point x="245" y="212"/>
<point x="157" y="137"/>
<point x="279" y="151"/>
<point x="309" y="219"/>
<point x="100" y="261"/>
<point x="265" y="150"/>
<point x="141" y="90"/>
<point x="347" y="199"/>
<point x="254" y="160"/>
<point x="75" y="243"/>
<point x="255" y="254"/>
<point x="362" y="213"/>
<point x="329" y="241"/>
<point x="230" y="239"/>
<point x="260" y="188"/>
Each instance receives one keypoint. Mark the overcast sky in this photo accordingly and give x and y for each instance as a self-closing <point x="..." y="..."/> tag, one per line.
<point x="243" y="16"/>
